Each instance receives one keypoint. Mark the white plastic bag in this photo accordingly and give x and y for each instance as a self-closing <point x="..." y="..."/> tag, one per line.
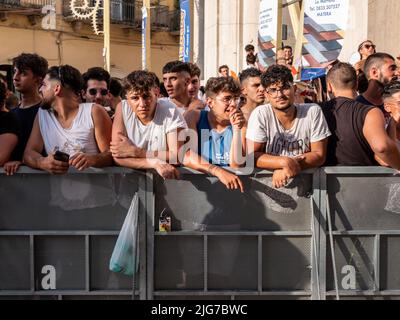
<point x="124" y="255"/>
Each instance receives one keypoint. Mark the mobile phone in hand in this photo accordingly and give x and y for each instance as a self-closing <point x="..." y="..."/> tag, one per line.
<point x="61" y="156"/>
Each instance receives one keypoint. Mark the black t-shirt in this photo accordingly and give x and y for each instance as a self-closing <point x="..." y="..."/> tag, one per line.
<point x="8" y="123"/>
<point x="362" y="100"/>
<point x="347" y="146"/>
<point x="26" y="118"/>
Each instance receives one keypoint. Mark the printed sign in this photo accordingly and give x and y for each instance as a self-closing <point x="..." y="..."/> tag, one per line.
<point x="268" y="32"/>
<point x="325" y="24"/>
<point x="144" y="25"/>
<point x="184" y="43"/>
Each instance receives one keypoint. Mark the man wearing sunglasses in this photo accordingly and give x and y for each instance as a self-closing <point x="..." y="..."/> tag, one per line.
<point x="96" y="86"/>
<point x="286" y="137"/>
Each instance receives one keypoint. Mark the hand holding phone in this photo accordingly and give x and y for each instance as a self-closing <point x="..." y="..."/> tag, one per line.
<point x="61" y="156"/>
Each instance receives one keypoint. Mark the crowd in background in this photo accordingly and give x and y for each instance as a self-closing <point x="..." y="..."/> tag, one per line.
<point x="259" y="118"/>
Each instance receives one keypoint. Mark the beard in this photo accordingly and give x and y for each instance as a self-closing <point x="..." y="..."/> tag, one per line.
<point x="46" y="105"/>
<point x="385" y="80"/>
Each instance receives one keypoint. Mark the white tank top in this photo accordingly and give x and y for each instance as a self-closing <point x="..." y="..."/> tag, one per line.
<point x="79" y="137"/>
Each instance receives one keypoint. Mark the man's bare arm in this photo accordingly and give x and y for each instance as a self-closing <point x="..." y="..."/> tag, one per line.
<point x="316" y="157"/>
<point x="33" y="157"/>
<point x="380" y="142"/>
<point x="8" y="142"/>
<point x="102" y="130"/>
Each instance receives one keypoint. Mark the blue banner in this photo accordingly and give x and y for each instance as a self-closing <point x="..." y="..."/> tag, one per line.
<point x="184" y="47"/>
<point x="312" y="73"/>
<point x="144" y="25"/>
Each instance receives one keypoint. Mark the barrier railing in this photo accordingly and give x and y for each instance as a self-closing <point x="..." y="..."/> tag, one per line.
<point x="129" y="14"/>
<point x="363" y="205"/>
<point x="57" y="235"/>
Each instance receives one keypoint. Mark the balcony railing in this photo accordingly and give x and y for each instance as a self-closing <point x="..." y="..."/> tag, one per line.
<point x="21" y="4"/>
<point x="129" y="13"/>
<point x="174" y="21"/>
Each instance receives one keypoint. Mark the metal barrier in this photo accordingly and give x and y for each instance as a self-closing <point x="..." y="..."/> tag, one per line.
<point x="226" y="244"/>
<point x="263" y="244"/>
<point x="57" y="234"/>
<point x="363" y="205"/>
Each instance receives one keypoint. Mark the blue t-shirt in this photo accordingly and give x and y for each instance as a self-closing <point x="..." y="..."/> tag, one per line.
<point x="26" y="118"/>
<point x="214" y="147"/>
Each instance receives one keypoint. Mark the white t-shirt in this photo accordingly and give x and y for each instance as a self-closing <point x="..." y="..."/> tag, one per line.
<point x="153" y="137"/>
<point x="79" y="138"/>
<point x="181" y="110"/>
<point x="310" y="126"/>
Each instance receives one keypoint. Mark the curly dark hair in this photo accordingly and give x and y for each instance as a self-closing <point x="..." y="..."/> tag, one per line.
<point x="276" y="74"/>
<point x="69" y="77"/>
<point x="176" y="67"/>
<point x="216" y="85"/>
<point x="156" y="80"/>
<point x="31" y="61"/>
<point x="194" y="70"/>
<point x="2" y="94"/>
<point x="140" y="81"/>
<point x="249" y="73"/>
<point x="96" y="73"/>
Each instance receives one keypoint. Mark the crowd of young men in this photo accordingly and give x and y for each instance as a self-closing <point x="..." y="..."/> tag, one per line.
<point x="66" y="119"/>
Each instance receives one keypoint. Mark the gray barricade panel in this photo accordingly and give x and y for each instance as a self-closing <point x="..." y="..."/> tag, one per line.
<point x="73" y="202"/>
<point x="364" y="205"/>
<point x="57" y="233"/>
<point x="223" y="244"/>
<point x="231" y="243"/>
<point x="364" y="202"/>
<point x="200" y="203"/>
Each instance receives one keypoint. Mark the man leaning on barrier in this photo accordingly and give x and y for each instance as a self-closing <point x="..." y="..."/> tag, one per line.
<point x="146" y="130"/>
<point x="96" y="85"/>
<point x="72" y="134"/>
<point x="216" y="135"/>
<point x="286" y="137"/>
<point x="29" y="71"/>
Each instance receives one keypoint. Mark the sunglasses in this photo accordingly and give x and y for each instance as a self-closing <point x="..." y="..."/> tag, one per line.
<point x="369" y="46"/>
<point x="94" y="91"/>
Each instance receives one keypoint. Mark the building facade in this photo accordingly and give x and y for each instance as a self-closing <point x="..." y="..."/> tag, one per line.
<point x="231" y="24"/>
<point x="72" y="41"/>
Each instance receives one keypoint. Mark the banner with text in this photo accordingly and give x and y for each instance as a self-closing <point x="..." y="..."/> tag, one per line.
<point x="268" y="32"/>
<point x="184" y="43"/>
<point x="144" y="26"/>
<point x="325" y="24"/>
